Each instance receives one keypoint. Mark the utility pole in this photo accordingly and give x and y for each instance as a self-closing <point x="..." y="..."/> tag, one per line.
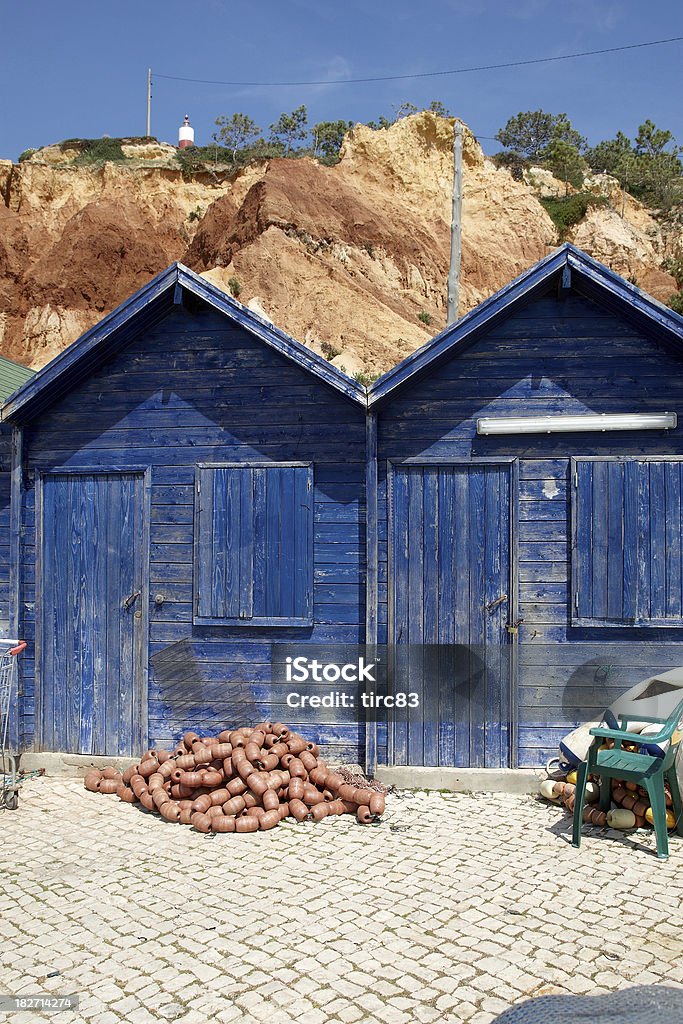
<point x="456" y="227"/>
<point x="149" y="102"/>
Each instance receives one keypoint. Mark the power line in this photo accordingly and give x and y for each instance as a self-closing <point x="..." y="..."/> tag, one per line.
<point x="431" y="74"/>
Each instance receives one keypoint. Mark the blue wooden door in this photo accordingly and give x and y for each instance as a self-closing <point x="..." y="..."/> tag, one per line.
<point x="91" y="613"/>
<point x="451" y="601"/>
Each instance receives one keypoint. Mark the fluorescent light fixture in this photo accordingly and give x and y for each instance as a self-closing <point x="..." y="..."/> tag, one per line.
<point x="569" y="424"/>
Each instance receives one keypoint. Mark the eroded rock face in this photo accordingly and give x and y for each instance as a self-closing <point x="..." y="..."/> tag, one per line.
<point x="77" y="241"/>
<point x="352" y="259"/>
<point x="633" y="244"/>
<point x="347" y="258"/>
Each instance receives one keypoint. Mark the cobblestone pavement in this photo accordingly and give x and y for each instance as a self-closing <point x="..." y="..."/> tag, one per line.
<point x="452" y="909"/>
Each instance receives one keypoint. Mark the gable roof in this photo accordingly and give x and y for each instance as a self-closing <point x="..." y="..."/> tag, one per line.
<point x="567" y="265"/>
<point x="12" y="376"/>
<point x="147" y="307"/>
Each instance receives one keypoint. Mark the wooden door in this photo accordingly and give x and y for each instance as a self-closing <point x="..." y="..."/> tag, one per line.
<point x="450" y="604"/>
<point x="92" y="613"/>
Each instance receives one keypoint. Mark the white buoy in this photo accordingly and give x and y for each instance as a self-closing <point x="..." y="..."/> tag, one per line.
<point x="185" y="134"/>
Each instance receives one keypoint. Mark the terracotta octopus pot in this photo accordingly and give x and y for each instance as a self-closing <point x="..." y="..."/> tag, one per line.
<point x="296" y="769"/>
<point x="108" y="786"/>
<point x="202" y="804"/>
<point x="258" y="783"/>
<point x="317" y="775"/>
<point x="234" y="806"/>
<point x="246" y="824"/>
<point x="299" y="810"/>
<point x="270" y="800"/>
<point x="309" y="762"/>
<point x="377" y="804"/>
<point x="336" y="807"/>
<point x="201" y="822"/>
<point x="146" y="800"/>
<point x="223" y="824"/>
<point x="312" y="795"/>
<point x="148" y="767"/>
<point x="92" y="780"/>
<point x="268" y="820"/>
<point x="295" y="790"/>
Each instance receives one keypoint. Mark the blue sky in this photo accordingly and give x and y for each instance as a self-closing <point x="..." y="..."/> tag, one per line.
<point x="79" y="68"/>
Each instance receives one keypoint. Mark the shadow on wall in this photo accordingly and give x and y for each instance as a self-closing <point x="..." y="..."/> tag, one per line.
<point x="189" y="697"/>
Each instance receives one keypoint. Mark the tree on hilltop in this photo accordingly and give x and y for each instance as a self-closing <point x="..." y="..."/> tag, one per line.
<point x="652" y="141"/>
<point x="530" y="133"/>
<point x="290" y="128"/>
<point x="328" y="137"/>
<point x="438" y="108"/>
<point x="565" y="162"/>
<point x="609" y="154"/>
<point x="236" y="132"/>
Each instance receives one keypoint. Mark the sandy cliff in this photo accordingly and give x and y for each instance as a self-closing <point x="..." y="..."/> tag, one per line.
<point x="350" y="259"/>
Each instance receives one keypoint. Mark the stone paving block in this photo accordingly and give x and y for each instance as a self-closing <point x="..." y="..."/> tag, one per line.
<point x="350" y="1014"/>
<point x="314" y="1016"/>
<point x="140" y="1015"/>
<point x="426" y="1014"/>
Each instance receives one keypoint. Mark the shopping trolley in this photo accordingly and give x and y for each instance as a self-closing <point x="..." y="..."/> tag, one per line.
<point x="9" y="787"/>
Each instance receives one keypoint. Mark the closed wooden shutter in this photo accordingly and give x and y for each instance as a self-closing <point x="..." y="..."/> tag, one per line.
<point x="626" y="542"/>
<point x="254" y="545"/>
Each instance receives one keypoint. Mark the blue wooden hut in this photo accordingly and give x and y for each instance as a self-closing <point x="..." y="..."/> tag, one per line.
<point x="192" y="486"/>
<point x="528" y="503"/>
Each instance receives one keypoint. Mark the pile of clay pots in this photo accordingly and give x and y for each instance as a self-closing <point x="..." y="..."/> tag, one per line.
<point x="633" y="808"/>
<point x="563" y="792"/>
<point x="630" y="804"/>
<point x="242" y="780"/>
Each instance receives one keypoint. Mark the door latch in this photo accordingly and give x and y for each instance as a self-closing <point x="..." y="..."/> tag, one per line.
<point x="513" y="627"/>
<point x="131" y="599"/>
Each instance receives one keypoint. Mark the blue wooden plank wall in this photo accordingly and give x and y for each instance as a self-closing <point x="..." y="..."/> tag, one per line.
<point x="555" y="355"/>
<point x="5" y="478"/>
<point x="5" y="468"/>
<point x="194" y="389"/>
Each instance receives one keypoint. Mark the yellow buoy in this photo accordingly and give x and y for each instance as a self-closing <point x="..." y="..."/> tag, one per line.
<point x="670" y="819"/>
